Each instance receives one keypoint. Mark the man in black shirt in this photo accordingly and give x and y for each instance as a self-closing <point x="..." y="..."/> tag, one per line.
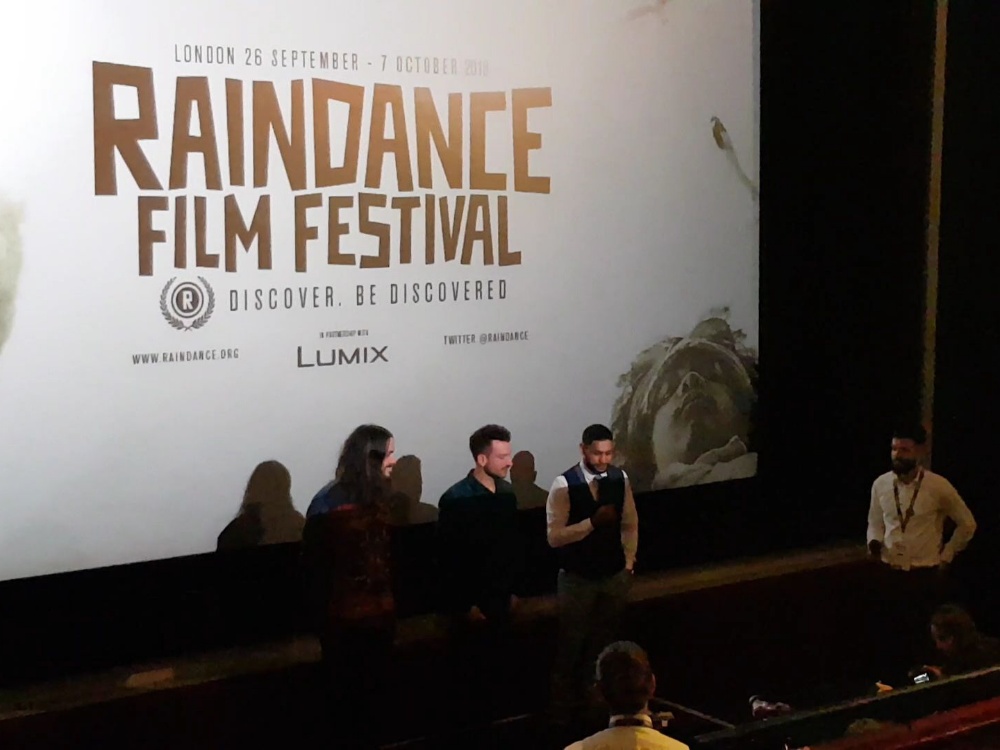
<point x="480" y="556"/>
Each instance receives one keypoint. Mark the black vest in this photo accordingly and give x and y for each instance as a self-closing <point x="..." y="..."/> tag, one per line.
<point x="600" y="553"/>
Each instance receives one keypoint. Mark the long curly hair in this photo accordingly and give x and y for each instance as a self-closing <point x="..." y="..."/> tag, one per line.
<point x="359" y="468"/>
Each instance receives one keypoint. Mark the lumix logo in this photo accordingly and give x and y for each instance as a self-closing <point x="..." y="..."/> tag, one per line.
<point x="359" y="355"/>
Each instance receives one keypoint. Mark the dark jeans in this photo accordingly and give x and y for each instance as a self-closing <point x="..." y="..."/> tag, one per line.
<point x="356" y="661"/>
<point x="479" y="660"/>
<point x="590" y="615"/>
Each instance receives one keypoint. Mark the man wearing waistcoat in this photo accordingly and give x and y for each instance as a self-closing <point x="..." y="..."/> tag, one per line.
<point x="593" y="524"/>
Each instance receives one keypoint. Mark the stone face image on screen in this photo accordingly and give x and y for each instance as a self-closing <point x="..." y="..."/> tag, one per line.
<point x="683" y="414"/>
<point x="10" y="266"/>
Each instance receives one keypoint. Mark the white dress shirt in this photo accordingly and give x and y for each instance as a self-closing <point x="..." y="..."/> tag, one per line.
<point x="557" y="516"/>
<point x="629" y="738"/>
<point x="919" y="546"/>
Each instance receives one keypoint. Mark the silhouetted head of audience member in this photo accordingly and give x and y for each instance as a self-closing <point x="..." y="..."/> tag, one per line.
<point x="598" y="448"/>
<point x="684" y="397"/>
<point x="625" y="678"/>
<point x="490" y="447"/>
<point x="908" y="446"/>
<point x="267" y="514"/>
<point x="366" y="463"/>
<point x="953" y="630"/>
<point x="522" y="468"/>
<point x="407" y="478"/>
<point x="270" y="485"/>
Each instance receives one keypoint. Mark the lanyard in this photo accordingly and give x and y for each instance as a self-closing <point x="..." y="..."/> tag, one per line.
<point x="904" y="520"/>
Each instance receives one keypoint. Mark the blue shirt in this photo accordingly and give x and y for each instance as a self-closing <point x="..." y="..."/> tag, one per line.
<point x="327" y="499"/>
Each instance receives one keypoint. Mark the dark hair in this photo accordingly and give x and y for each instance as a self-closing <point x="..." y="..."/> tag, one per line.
<point x="481" y="440"/>
<point x="359" y="469"/>
<point x="625" y="677"/>
<point x="954" y="623"/>
<point x="596" y="433"/>
<point x="913" y="431"/>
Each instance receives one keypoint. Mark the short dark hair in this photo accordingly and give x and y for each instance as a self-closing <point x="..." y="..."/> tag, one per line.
<point x="481" y="440"/>
<point x="625" y="677"/>
<point x="595" y="433"/>
<point x="911" y="431"/>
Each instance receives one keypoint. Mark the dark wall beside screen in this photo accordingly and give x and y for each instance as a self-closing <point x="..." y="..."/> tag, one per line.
<point x="967" y="408"/>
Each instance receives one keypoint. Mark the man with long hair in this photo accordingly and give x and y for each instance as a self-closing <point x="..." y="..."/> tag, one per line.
<point x="346" y="547"/>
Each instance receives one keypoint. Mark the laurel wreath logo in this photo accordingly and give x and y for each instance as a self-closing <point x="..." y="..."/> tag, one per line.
<point x="198" y="322"/>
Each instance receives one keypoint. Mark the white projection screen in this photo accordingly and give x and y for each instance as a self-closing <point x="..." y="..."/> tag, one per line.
<point x="231" y="232"/>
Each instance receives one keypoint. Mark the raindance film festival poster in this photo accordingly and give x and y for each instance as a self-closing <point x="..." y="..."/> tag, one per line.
<point x="229" y="234"/>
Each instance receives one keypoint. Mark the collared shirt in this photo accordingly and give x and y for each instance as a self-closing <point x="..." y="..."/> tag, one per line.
<point x="642" y="737"/>
<point x="557" y="514"/>
<point x="920" y="545"/>
<point x="478" y="544"/>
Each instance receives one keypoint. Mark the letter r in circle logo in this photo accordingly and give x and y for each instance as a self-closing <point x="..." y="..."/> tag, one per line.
<point x="188" y="305"/>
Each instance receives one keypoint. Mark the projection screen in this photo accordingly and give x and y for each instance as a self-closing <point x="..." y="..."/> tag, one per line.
<point x="230" y="234"/>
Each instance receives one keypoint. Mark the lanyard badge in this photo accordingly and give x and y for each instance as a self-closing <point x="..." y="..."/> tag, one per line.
<point x="904" y="519"/>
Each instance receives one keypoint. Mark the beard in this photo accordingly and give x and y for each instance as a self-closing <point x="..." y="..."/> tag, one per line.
<point x="903" y="466"/>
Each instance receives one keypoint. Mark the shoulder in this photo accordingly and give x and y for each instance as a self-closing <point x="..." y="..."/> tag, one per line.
<point x="457" y="491"/>
<point x="660" y="741"/>
<point x="617" y="472"/>
<point x="991" y="646"/>
<point x="504" y="487"/>
<point x="883" y="482"/>
<point x="938" y="482"/>
<point x="559" y="483"/>
<point x="572" y="475"/>
<point x="321" y="501"/>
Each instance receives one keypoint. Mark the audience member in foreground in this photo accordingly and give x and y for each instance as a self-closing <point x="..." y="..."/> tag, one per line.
<point x="626" y="682"/>
<point x="960" y="645"/>
<point x="345" y="547"/>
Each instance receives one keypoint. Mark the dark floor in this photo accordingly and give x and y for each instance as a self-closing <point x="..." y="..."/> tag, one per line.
<point x="806" y="636"/>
